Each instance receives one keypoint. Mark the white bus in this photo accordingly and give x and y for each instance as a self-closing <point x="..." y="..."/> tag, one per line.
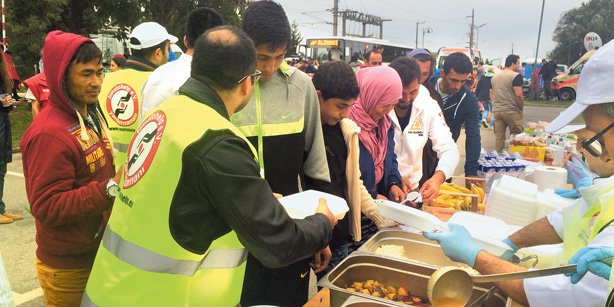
<point x="342" y="48"/>
<point x="474" y="54"/>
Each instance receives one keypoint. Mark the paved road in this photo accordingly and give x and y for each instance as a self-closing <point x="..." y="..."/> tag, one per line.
<point x="18" y="245"/>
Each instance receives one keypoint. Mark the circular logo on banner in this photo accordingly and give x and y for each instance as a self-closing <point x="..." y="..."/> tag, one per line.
<point x="122" y="104"/>
<point x="143" y="148"/>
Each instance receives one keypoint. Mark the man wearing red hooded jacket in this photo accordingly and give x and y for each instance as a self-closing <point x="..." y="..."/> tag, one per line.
<point x="68" y="167"/>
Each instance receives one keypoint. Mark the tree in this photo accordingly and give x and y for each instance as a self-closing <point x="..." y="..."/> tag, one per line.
<point x="593" y="16"/>
<point x="295" y="39"/>
<point x="28" y="22"/>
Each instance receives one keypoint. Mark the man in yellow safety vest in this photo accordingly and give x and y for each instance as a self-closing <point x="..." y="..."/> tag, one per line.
<point x="120" y="95"/>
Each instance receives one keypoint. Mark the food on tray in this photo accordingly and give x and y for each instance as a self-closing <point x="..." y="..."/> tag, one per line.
<point x="459" y="202"/>
<point x="377" y="289"/>
<point x="391" y="250"/>
<point x="529" y="141"/>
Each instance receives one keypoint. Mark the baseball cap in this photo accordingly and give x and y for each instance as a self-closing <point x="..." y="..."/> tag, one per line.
<point x="594" y="86"/>
<point x="149" y="34"/>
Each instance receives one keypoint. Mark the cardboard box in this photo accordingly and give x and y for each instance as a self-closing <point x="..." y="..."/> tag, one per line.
<point x="531" y="153"/>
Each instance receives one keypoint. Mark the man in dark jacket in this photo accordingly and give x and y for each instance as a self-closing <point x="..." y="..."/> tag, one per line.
<point x="460" y="106"/>
<point x="548" y="72"/>
<point x="68" y="168"/>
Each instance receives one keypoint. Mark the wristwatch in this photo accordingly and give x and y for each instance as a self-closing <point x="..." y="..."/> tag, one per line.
<point x="112" y="188"/>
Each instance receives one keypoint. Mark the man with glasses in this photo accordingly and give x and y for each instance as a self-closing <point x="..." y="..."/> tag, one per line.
<point x="193" y="201"/>
<point x="585" y="228"/>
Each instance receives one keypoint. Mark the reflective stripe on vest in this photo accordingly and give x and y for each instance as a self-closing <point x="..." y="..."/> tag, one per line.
<point x="150" y="261"/>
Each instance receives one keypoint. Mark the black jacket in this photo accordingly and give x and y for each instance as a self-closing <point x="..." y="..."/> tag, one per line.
<point x="462" y="108"/>
<point x="220" y="189"/>
<point x="483" y="88"/>
<point x="6" y="145"/>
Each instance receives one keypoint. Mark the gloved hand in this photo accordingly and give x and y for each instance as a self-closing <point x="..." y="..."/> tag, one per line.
<point x="509" y="254"/>
<point x="589" y="259"/>
<point x="573" y="193"/>
<point x="457" y="244"/>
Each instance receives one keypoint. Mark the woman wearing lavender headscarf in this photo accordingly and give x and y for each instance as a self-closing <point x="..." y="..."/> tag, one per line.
<point x="380" y="90"/>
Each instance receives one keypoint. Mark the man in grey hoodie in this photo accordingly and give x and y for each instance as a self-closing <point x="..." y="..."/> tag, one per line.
<point x="282" y="121"/>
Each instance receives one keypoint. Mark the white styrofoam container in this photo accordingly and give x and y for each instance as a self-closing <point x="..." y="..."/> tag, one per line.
<point x="304" y="204"/>
<point x="409" y="216"/>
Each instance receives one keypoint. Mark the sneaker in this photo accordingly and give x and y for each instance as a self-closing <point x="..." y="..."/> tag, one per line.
<point x="5" y="220"/>
<point x="13" y="216"/>
<point x="484" y="124"/>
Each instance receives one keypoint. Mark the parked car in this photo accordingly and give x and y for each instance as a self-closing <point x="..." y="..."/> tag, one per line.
<point x="560" y="69"/>
<point x="564" y="85"/>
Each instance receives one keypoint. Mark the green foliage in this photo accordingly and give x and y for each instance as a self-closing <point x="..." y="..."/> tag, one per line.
<point x="29" y="21"/>
<point x="295" y="39"/>
<point x="593" y="16"/>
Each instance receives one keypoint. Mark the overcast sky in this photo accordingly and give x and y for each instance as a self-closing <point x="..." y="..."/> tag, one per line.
<point x="507" y="22"/>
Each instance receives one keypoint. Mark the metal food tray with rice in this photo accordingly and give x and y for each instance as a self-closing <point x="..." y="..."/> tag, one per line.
<point x="416" y="248"/>
<point x="412" y="276"/>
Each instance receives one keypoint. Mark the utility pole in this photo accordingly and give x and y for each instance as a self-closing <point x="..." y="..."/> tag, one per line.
<point x="539" y="33"/>
<point x="335" y="15"/>
<point x="472" y="27"/>
<point x="477" y="39"/>
<point x="417" y="24"/>
<point x="512" y="48"/>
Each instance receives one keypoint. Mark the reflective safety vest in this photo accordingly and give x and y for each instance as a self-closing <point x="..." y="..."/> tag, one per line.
<point x="580" y="228"/>
<point x="139" y="263"/>
<point x="120" y="102"/>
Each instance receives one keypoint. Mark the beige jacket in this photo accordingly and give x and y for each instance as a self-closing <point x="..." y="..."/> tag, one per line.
<point x="358" y="197"/>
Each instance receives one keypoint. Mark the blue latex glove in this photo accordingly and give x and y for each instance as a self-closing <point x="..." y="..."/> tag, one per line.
<point x="589" y="259"/>
<point x="510" y="252"/>
<point x="457" y="244"/>
<point x="573" y="193"/>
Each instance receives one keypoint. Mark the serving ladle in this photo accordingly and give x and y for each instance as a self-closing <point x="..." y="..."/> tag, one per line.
<point x="449" y="286"/>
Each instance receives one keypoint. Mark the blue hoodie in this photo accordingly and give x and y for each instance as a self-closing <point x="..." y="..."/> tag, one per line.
<point x="462" y="108"/>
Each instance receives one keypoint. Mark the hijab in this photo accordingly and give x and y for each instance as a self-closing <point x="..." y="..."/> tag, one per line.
<point x="379" y="86"/>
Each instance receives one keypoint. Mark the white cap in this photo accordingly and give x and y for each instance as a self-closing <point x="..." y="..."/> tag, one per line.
<point x="150" y="34"/>
<point x="594" y="86"/>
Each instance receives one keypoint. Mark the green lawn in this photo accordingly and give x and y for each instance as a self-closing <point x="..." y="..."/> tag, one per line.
<point x="547" y="103"/>
<point x="21" y="118"/>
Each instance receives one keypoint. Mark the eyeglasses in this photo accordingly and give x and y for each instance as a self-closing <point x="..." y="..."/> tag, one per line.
<point x="255" y="77"/>
<point x="592" y="145"/>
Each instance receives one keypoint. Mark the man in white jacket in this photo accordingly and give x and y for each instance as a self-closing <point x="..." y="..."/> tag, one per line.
<point x="416" y="119"/>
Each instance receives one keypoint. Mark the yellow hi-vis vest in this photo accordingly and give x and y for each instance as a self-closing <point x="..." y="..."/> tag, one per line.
<point x="580" y="228"/>
<point x="139" y="263"/>
<point x="120" y="102"/>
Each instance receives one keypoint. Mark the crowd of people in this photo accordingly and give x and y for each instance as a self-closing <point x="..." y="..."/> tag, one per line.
<point x="158" y="183"/>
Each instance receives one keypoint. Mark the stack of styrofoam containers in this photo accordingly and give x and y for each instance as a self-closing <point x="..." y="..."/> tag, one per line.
<point x="512" y="200"/>
<point x="548" y="201"/>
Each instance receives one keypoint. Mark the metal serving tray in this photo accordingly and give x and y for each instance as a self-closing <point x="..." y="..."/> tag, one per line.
<point x="417" y="248"/>
<point x="412" y="276"/>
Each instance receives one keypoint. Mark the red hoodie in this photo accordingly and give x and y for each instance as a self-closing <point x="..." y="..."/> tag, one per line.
<point x="38" y="85"/>
<point x="66" y="176"/>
